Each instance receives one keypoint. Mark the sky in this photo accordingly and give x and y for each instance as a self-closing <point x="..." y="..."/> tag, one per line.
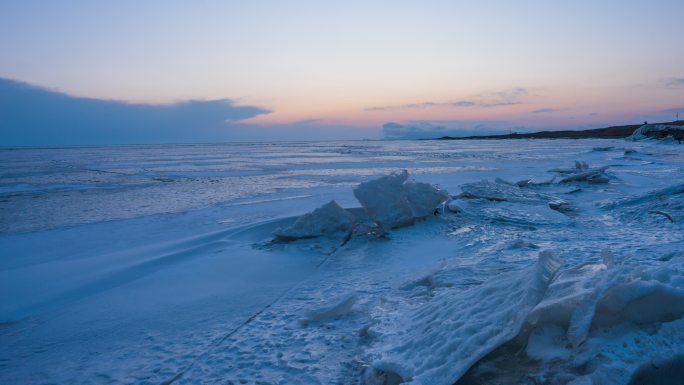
<point x="169" y="71"/>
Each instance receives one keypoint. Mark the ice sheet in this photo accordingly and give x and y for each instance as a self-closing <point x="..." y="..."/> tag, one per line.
<point x="146" y="264"/>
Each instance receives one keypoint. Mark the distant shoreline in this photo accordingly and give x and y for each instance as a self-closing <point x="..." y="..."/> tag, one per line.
<point x="612" y="132"/>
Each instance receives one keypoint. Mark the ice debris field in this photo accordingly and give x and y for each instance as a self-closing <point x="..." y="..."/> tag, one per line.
<point x="418" y="262"/>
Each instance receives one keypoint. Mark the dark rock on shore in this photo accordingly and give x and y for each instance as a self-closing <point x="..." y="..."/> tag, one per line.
<point x="612" y="132"/>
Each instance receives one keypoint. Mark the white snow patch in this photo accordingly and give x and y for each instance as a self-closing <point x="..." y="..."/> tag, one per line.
<point x="334" y="309"/>
<point x="608" y="313"/>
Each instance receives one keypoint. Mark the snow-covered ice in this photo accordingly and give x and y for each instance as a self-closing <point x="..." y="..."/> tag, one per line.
<point x="156" y="264"/>
<point x="394" y="201"/>
<point x="654" y="131"/>
<point x="439" y="341"/>
<point x="328" y="220"/>
<point x="388" y="202"/>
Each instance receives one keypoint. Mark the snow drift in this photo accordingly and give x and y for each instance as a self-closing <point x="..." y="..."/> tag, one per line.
<point x="438" y="342"/>
<point x="596" y="323"/>
<point x="450" y="296"/>
<point x="611" y="316"/>
<point x="599" y="323"/>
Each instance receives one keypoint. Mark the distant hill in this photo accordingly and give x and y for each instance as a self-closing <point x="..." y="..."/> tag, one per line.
<point x="611" y="132"/>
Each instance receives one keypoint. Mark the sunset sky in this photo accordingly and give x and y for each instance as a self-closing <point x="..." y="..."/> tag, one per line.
<point x="323" y="69"/>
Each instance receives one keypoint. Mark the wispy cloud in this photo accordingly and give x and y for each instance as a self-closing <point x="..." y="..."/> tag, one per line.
<point x="486" y="100"/>
<point x="306" y="122"/>
<point x="543" y="111"/>
<point x="674" y="82"/>
<point x="35" y="115"/>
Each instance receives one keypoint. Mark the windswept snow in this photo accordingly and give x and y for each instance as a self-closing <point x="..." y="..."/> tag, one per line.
<point x="604" y="295"/>
<point x="439" y="341"/>
<point x="156" y="264"/>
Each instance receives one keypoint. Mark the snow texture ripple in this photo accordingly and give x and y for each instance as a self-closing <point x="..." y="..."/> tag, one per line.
<point x="158" y="265"/>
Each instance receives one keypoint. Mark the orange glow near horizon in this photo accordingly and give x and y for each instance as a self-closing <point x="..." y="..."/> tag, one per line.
<point x="565" y="106"/>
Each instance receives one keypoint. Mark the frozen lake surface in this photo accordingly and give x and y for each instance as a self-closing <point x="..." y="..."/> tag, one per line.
<point x="153" y="265"/>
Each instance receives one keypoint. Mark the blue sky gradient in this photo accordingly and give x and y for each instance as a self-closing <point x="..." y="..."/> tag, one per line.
<point x="343" y="67"/>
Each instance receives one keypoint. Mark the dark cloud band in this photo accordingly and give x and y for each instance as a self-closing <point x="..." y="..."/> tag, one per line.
<point x="32" y="115"/>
